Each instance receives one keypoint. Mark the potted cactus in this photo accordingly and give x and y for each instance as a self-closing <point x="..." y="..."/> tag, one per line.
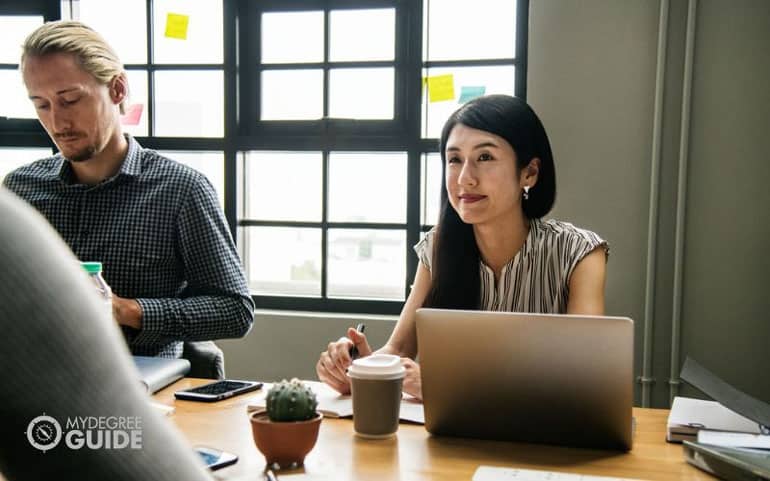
<point x="287" y="430"/>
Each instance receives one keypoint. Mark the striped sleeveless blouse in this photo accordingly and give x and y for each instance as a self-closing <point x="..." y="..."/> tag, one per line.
<point x="537" y="278"/>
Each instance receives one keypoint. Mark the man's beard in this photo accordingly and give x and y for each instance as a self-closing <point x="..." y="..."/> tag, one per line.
<point x="83" y="155"/>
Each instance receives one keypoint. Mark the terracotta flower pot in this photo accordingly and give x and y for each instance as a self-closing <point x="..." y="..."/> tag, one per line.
<point x="284" y="443"/>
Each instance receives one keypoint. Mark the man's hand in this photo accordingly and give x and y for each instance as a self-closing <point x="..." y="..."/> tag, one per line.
<point x="127" y="312"/>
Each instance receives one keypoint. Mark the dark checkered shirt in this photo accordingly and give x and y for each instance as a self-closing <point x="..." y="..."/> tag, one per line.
<point x="160" y="233"/>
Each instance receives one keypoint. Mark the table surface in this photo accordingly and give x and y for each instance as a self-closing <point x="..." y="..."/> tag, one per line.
<point x="414" y="454"/>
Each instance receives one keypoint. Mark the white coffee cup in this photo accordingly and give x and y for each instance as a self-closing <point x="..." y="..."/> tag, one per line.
<point x="376" y="383"/>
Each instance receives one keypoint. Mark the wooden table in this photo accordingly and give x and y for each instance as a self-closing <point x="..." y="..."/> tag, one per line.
<point x="416" y="455"/>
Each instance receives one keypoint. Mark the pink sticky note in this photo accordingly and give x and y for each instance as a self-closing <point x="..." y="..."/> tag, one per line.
<point x="133" y="114"/>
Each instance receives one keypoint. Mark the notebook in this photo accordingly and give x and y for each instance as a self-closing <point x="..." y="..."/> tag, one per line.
<point x="155" y="373"/>
<point x="335" y="405"/>
<point x="689" y="415"/>
<point x="732" y="464"/>
<point x="544" y="378"/>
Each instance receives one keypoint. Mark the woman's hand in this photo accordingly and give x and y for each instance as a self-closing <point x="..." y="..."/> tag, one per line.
<point x="333" y="363"/>
<point x="412" y="379"/>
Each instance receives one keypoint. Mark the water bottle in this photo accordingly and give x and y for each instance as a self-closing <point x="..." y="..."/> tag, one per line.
<point x="94" y="270"/>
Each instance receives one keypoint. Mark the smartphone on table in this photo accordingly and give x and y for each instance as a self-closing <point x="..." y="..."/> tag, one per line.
<point x="218" y="390"/>
<point x="214" y="458"/>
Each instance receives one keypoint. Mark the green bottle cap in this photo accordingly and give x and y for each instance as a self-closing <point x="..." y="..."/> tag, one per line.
<point x="92" y="267"/>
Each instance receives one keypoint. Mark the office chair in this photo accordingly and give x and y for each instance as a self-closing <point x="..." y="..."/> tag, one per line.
<point x="206" y="360"/>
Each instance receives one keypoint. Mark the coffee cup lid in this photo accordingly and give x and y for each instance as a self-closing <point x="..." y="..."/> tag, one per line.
<point x="377" y="366"/>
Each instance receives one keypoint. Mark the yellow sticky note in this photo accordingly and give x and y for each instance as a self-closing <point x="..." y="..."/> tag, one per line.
<point x="176" y="25"/>
<point x="441" y="87"/>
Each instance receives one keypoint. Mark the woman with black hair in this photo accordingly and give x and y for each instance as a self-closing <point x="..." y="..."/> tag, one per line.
<point x="490" y="249"/>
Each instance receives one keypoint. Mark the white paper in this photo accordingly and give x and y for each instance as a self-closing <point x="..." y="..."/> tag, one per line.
<point x="331" y="403"/>
<point x="335" y="405"/>
<point x="490" y="473"/>
<point x="734" y="440"/>
<point x="701" y="414"/>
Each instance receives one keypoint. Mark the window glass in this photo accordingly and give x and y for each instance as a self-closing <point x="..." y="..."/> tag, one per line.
<point x="361" y="93"/>
<point x="430" y="189"/>
<point x="125" y="32"/>
<point x="14" y="100"/>
<point x="188" y="31"/>
<point x="450" y="29"/>
<point x="189" y="103"/>
<point x="134" y="121"/>
<point x="280" y="43"/>
<point x="15" y="30"/>
<point x="210" y="164"/>
<point x="283" y="261"/>
<point x="362" y="35"/>
<point x="283" y="186"/>
<point x="367" y="186"/>
<point x="292" y="94"/>
<point x="366" y="264"/>
<point x="12" y="158"/>
<point x="466" y="82"/>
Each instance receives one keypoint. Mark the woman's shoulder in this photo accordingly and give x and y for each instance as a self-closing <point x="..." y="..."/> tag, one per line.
<point x="553" y="232"/>
<point x="424" y="248"/>
<point x="557" y="228"/>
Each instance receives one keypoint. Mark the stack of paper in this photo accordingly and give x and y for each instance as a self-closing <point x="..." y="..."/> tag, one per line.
<point x="688" y="416"/>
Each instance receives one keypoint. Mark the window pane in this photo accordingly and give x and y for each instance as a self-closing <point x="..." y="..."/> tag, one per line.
<point x="126" y="32"/>
<point x="134" y="121"/>
<point x="362" y="35"/>
<point x="490" y="80"/>
<point x="13" y="158"/>
<point x="366" y="264"/>
<point x="192" y="34"/>
<point x="430" y="189"/>
<point x="280" y="42"/>
<point x="283" y="186"/>
<point x="367" y="186"/>
<point x="442" y="18"/>
<point x="210" y="164"/>
<point x="283" y="260"/>
<point x="189" y="103"/>
<point x="15" y="30"/>
<point x="14" y="100"/>
<point x="361" y="93"/>
<point x="292" y="94"/>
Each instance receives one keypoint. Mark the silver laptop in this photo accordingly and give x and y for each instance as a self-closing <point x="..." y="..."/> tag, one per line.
<point x="541" y="378"/>
<point x="155" y="373"/>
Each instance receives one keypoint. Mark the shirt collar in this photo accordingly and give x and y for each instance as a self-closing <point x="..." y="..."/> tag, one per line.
<point x="131" y="166"/>
<point x="526" y="249"/>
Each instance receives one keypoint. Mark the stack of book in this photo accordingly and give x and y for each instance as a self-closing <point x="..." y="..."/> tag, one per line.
<point x="728" y="437"/>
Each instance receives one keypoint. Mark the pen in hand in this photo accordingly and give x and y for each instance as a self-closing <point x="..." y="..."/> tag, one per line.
<point x="354" y="350"/>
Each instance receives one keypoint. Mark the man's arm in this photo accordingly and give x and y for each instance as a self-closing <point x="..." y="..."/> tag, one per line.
<point x="216" y="302"/>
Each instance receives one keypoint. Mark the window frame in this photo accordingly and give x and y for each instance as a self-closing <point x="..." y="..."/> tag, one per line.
<point x="243" y="131"/>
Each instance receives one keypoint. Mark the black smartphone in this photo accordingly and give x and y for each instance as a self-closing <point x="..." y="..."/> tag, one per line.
<point x="218" y="390"/>
<point x="214" y="458"/>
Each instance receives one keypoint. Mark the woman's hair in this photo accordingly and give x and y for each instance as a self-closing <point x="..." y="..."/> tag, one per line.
<point x="456" y="282"/>
<point x="91" y="51"/>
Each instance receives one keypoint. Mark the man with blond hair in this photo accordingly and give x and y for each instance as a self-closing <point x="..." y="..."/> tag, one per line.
<point x="156" y="225"/>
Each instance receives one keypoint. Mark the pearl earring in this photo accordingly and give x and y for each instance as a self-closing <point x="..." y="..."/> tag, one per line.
<point x="526" y="192"/>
